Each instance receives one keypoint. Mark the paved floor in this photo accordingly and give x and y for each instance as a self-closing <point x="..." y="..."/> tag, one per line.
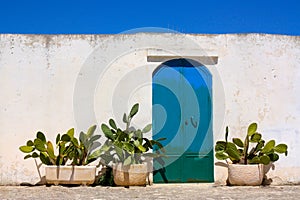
<point x="158" y="191"/>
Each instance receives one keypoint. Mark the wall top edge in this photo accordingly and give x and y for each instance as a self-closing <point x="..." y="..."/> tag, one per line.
<point x="152" y="33"/>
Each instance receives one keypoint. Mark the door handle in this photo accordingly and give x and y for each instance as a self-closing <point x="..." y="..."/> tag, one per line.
<point x="194" y="123"/>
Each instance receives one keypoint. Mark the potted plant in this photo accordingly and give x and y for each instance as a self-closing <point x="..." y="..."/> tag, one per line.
<point x="247" y="167"/>
<point x="127" y="150"/>
<point x="70" y="165"/>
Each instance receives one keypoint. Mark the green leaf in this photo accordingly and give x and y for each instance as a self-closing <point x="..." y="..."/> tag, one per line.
<point x="122" y="136"/>
<point x="147" y="128"/>
<point x="112" y="123"/>
<point x="75" y="142"/>
<point x="45" y="159"/>
<point x="238" y="142"/>
<point x="39" y="145"/>
<point x="265" y="160"/>
<point x="50" y="150"/>
<point x="128" y="147"/>
<point x="221" y="155"/>
<point x="136" y="143"/>
<point x="141" y="148"/>
<point x="256" y="137"/>
<point x="41" y="136"/>
<point x="260" y="145"/>
<point x="107" y="132"/>
<point x="254" y="160"/>
<point x="268" y="147"/>
<point x="35" y="155"/>
<point x="130" y="135"/>
<point x="252" y="129"/>
<point x="273" y="157"/>
<point x="134" y="110"/>
<point x="128" y="161"/>
<point x="230" y="145"/>
<point x="29" y="143"/>
<point x="91" y="131"/>
<point x="220" y="146"/>
<point x="233" y="154"/>
<point x="27" y="156"/>
<point x="119" y="152"/>
<point x="281" y="148"/>
<point x="79" y="152"/>
<point x="67" y="150"/>
<point x="65" y="138"/>
<point x="70" y="132"/>
<point x="26" y="149"/>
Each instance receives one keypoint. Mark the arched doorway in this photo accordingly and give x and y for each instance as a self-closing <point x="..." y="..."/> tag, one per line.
<point x="182" y="113"/>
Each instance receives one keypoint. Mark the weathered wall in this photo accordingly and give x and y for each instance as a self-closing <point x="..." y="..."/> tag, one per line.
<point x="52" y="83"/>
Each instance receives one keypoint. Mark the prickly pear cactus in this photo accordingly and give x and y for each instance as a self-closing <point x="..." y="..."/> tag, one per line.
<point x="80" y="151"/>
<point x="238" y="151"/>
<point x="40" y="148"/>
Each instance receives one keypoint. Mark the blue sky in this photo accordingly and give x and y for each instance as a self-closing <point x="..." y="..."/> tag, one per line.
<point x="105" y="17"/>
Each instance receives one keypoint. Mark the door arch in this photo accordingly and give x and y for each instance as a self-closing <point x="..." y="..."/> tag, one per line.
<point x="182" y="113"/>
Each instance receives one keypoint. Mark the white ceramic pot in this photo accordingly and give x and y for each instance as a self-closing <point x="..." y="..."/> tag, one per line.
<point x="251" y="175"/>
<point x="83" y="175"/>
<point x="131" y="175"/>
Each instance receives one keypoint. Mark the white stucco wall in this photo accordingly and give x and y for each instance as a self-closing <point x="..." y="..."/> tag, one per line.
<point x="53" y="83"/>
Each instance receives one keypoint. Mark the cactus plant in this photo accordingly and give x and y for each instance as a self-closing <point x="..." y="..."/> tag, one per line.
<point x="238" y="151"/>
<point x="70" y="149"/>
<point x="128" y="146"/>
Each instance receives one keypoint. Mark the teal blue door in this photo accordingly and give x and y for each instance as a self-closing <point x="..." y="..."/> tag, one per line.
<point x="182" y="113"/>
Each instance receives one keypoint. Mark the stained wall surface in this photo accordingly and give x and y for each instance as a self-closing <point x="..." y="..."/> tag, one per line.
<point x="51" y="83"/>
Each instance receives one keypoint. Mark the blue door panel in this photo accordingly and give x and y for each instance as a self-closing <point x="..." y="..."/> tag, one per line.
<point x="182" y="114"/>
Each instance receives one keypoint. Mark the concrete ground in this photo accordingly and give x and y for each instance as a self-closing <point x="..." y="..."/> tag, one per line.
<point x="157" y="191"/>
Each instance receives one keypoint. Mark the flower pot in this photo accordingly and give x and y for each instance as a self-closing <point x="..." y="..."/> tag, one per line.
<point x="83" y="175"/>
<point x="130" y="175"/>
<point x="251" y="175"/>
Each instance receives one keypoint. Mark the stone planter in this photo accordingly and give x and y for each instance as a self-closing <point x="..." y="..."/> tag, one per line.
<point x="251" y="175"/>
<point x="83" y="175"/>
<point x="131" y="175"/>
